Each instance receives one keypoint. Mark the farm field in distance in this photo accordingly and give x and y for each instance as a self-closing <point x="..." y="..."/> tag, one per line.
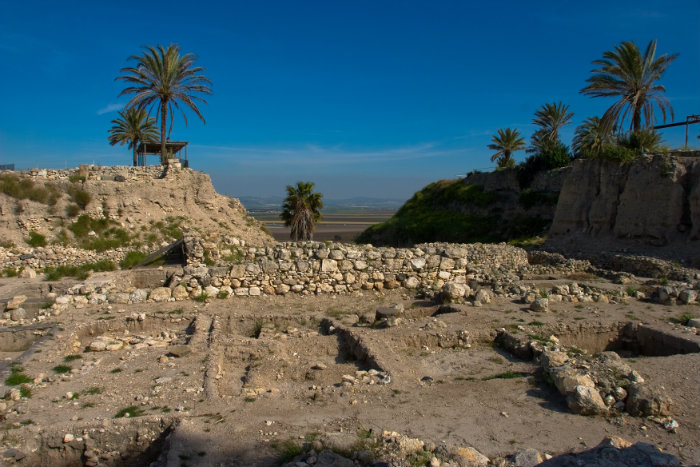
<point x="336" y="225"/>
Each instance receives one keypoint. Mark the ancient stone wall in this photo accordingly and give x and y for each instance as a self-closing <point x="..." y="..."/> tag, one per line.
<point x="96" y="172"/>
<point x="314" y="267"/>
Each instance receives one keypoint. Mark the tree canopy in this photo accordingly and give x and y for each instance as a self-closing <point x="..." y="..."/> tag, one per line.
<point x="165" y="78"/>
<point x="631" y="77"/>
<point x="301" y="210"/>
<point x="133" y="127"/>
<point x="506" y="142"/>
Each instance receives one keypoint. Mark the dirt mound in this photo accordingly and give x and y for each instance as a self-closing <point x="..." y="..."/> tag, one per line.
<point x="149" y="204"/>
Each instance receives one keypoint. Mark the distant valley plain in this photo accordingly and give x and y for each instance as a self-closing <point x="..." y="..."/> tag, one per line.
<point x="343" y="219"/>
<point x="340" y="226"/>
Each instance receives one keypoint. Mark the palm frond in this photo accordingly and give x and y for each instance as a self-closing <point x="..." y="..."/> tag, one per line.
<point x="165" y="76"/>
<point x="630" y="77"/>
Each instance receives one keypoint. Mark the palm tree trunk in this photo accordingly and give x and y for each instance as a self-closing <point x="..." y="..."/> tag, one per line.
<point x="135" y="161"/>
<point x="163" y="123"/>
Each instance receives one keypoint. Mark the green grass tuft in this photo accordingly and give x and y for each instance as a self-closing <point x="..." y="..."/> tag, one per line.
<point x="60" y="369"/>
<point x="505" y="375"/>
<point x="131" y="411"/>
<point x="17" y="377"/>
<point x="132" y="258"/>
<point x="288" y="450"/>
<point x="36" y="239"/>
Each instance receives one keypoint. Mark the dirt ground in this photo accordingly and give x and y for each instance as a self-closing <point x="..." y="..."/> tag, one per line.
<point x="243" y="375"/>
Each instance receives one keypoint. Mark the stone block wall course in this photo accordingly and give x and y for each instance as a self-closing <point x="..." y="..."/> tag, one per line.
<point x="315" y="267"/>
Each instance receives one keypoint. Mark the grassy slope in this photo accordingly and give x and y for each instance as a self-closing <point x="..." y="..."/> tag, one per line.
<point x="450" y="211"/>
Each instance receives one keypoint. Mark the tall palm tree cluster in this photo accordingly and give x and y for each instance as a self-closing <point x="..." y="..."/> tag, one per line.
<point x="626" y="74"/>
<point x="161" y="78"/>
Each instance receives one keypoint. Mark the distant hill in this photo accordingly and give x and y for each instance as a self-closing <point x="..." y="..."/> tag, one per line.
<point x="253" y="203"/>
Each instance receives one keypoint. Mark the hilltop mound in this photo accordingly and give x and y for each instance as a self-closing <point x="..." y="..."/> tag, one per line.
<point x="650" y="206"/>
<point x="483" y="207"/>
<point x="108" y="207"/>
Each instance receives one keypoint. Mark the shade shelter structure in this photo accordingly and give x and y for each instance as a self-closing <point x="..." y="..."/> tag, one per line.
<point x="172" y="148"/>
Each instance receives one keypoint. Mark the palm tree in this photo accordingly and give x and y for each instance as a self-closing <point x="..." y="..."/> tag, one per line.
<point x="133" y="127"/>
<point x="551" y="118"/>
<point x="506" y="142"/>
<point x="631" y="77"/>
<point x="590" y="137"/>
<point x="164" y="77"/>
<point x="301" y="210"/>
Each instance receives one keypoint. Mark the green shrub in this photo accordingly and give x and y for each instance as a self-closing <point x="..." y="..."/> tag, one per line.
<point x="641" y="141"/>
<point x="132" y="258"/>
<point x="617" y="154"/>
<point x="237" y="256"/>
<point x="529" y="198"/>
<point x="36" y="239"/>
<point x="288" y="450"/>
<point x="80" y="272"/>
<point x="62" y="238"/>
<point x="80" y="197"/>
<point x="72" y="210"/>
<point x="10" y="272"/>
<point x="448" y="191"/>
<point x="25" y="391"/>
<point x="683" y="318"/>
<point x="555" y="156"/>
<point x="506" y="375"/>
<point x="551" y="156"/>
<point x="24" y="188"/>
<point x="107" y="236"/>
<point x="208" y="260"/>
<point x="76" y="177"/>
<point x="131" y="411"/>
<point x="62" y="369"/>
<point x="17" y="377"/>
<point x="172" y="230"/>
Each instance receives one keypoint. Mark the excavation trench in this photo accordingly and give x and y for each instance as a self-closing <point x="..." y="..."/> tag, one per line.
<point x="629" y="339"/>
<point x="134" y="443"/>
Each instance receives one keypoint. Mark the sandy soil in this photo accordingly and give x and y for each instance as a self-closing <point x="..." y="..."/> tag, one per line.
<point x="237" y="395"/>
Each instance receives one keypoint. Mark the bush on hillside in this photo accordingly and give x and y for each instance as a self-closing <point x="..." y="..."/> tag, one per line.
<point x="24" y="188"/>
<point x="36" y="239"/>
<point x="642" y="141"/>
<point x="80" y="197"/>
<point x="106" y="235"/>
<point x="132" y="258"/>
<point x="552" y="156"/>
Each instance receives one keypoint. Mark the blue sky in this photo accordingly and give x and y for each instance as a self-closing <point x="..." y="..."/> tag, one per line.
<point x="365" y="98"/>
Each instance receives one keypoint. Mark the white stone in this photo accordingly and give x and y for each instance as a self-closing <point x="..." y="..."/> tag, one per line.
<point x="160" y="294"/>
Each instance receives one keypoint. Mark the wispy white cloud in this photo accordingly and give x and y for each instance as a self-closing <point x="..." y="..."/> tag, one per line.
<point x="318" y="156"/>
<point x="110" y="108"/>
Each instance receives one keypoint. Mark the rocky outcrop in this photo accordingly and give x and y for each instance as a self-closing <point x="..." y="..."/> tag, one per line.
<point x="615" y="452"/>
<point x="655" y="201"/>
<point x="135" y="198"/>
